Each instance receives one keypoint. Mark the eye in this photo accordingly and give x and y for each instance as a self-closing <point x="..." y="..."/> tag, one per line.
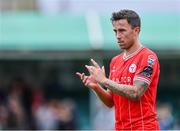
<point x="115" y="30"/>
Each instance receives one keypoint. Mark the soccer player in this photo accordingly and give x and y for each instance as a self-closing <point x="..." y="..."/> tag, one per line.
<point x="132" y="84"/>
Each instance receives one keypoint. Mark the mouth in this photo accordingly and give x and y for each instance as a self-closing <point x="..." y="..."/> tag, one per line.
<point x="120" y="42"/>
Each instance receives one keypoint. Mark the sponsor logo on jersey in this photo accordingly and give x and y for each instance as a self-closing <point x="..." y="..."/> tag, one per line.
<point x="126" y="80"/>
<point x="151" y="60"/>
<point x="132" y="68"/>
<point x="147" y="71"/>
<point x="113" y="69"/>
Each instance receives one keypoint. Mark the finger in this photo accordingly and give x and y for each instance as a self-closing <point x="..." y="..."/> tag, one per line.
<point x="85" y="79"/>
<point x="103" y="69"/>
<point x="79" y="74"/>
<point x="95" y="63"/>
<point x="89" y="68"/>
<point x="86" y="83"/>
<point x="82" y="76"/>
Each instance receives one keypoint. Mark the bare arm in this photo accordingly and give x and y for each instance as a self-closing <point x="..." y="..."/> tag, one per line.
<point x="133" y="92"/>
<point x="104" y="95"/>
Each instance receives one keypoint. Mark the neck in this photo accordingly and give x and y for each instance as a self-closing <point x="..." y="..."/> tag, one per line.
<point x="133" y="49"/>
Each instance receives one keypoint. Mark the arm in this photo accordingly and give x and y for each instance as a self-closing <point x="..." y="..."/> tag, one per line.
<point x="104" y="95"/>
<point x="133" y="92"/>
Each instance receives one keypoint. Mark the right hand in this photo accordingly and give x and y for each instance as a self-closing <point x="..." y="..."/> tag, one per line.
<point x="87" y="80"/>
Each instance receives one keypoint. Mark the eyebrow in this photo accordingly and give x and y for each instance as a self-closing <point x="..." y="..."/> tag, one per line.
<point x="119" y="30"/>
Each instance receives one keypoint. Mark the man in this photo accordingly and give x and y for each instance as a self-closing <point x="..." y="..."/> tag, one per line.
<point x="133" y="80"/>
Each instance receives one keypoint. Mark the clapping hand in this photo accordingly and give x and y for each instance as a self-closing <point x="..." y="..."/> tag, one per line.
<point x="97" y="73"/>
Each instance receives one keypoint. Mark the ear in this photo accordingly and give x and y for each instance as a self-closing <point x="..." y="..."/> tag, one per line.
<point x="137" y="30"/>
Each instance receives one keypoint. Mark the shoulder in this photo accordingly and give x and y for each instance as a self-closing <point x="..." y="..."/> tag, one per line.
<point x="117" y="58"/>
<point x="149" y="56"/>
<point x="146" y="52"/>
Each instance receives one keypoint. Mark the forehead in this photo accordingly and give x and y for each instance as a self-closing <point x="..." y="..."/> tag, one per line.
<point x="122" y="23"/>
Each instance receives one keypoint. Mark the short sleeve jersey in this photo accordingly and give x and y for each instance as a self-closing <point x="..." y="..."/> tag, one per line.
<point x="140" y="114"/>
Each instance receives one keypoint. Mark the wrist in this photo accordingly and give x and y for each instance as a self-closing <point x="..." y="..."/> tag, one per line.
<point x="103" y="82"/>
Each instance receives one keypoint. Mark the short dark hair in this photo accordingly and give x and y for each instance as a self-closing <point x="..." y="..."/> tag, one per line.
<point x="131" y="16"/>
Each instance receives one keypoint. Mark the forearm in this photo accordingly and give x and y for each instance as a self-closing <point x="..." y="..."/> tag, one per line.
<point x="128" y="91"/>
<point x="134" y="91"/>
<point x="104" y="95"/>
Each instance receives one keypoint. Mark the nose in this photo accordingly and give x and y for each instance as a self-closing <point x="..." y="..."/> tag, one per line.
<point x="118" y="35"/>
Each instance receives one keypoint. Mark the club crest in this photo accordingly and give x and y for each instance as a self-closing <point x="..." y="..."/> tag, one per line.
<point x="132" y="68"/>
<point x="151" y="60"/>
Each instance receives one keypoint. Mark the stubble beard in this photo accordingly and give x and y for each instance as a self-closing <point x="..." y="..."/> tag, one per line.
<point x="126" y="46"/>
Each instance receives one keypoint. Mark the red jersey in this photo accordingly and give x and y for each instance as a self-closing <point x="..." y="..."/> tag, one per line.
<point x="136" y="114"/>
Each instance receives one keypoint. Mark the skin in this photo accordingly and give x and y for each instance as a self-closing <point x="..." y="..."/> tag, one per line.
<point x="127" y="39"/>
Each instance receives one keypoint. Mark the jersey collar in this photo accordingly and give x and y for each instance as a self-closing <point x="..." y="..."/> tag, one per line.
<point x="126" y="57"/>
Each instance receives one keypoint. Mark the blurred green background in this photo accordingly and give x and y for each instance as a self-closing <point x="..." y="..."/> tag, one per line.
<point x="43" y="43"/>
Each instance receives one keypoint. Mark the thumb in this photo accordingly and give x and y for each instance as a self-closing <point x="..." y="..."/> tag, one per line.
<point x="103" y="69"/>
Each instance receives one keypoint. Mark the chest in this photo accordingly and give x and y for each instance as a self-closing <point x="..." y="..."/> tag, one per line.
<point x="123" y="71"/>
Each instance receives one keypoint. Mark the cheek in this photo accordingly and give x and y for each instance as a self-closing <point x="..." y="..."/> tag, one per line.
<point x="129" y="40"/>
<point x="130" y="37"/>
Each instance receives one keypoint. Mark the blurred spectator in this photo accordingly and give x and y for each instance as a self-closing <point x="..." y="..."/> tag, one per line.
<point x="166" y="119"/>
<point x="67" y="115"/>
<point x="56" y="115"/>
<point x="23" y="107"/>
<point x="3" y="117"/>
<point x="104" y="114"/>
<point x="46" y="117"/>
<point x="17" y="118"/>
<point x="37" y="99"/>
<point x="3" y="109"/>
<point x="19" y="102"/>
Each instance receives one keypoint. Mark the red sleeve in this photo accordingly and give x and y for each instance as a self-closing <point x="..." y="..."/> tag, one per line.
<point x="147" y="69"/>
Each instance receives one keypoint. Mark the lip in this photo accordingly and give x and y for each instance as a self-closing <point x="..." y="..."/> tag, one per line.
<point x="120" y="42"/>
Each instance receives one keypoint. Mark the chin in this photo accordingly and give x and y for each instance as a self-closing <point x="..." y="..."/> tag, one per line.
<point x="122" y="47"/>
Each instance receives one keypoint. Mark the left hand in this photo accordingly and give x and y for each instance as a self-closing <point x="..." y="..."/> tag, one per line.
<point x="96" y="72"/>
